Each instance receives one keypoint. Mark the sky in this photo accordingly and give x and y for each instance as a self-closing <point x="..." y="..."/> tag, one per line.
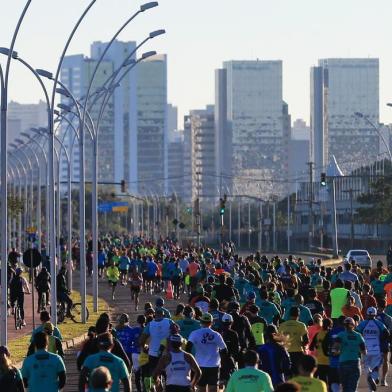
<point x="201" y="34"/>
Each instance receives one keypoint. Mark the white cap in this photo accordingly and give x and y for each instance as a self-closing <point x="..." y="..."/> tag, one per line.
<point x="227" y="318"/>
<point x="372" y="311"/>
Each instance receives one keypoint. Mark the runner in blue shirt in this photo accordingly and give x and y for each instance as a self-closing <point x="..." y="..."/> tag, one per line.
<point x="43" y="370"/>
<point x="123" y="266"/>
<point x="104" y="357"/>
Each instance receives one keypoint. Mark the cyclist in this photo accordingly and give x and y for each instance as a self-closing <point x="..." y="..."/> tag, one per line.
<point x="63" y="292"/>
<point x="42" y="284"/>
<point x="18" y="288"/>
<point x="13" y="257"/>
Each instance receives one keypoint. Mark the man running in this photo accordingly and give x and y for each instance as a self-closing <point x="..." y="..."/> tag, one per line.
<point x="177" y="365"/>
<point x="208" y="344"/>
<point x="375" y="334"/>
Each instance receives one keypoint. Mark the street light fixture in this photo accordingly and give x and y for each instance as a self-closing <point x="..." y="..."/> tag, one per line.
<point x="362" y="116"/>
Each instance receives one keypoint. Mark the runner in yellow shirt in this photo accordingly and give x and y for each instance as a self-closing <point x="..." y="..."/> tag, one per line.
<point x="113" y="275"/>
<point x="307" y="367"/>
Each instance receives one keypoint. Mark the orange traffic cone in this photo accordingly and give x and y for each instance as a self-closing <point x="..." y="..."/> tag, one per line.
<point x="169" y="291"/>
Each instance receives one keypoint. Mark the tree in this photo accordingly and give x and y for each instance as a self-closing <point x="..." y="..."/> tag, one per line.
<point x="377" y="202"/>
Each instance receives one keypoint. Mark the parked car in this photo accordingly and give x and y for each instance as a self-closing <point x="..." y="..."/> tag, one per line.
<point x="361" y="257"/>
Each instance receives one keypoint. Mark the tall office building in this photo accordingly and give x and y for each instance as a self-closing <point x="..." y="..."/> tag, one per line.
<point x="200" y="180"/>
<point x="251" y="120"/>
<point x="175" y="163"/>
<point x="152" y="134"/>
<point x="23" y="116"/>
<point x="339" y="89"/>
<point x="117" y="133"/>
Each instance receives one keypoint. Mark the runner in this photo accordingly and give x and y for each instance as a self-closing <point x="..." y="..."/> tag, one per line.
<point x="297" y="334"/>
<point x="136" y="283"/>
<point x="104" y="357"/>
<point x="10" y="376"/>
<point x="177" y="365"/>
<point x="350" y="345"/>
<point x="101" y="380"/>
<point x="43" y="369"/>
<point x="208" y="345"/>
<point x="250" y="379"/>
<point x="376" y="340"/>
<point x="113" y="275"/>
<point x="307" y="368"/>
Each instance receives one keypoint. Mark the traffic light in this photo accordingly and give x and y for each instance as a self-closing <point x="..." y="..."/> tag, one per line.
<point x="323" y="179"/>
<point x="122" y="186"/>
<point x="222" y="205"/>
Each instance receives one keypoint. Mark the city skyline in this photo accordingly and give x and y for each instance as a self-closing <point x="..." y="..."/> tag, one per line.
<point x="268" y="34"/>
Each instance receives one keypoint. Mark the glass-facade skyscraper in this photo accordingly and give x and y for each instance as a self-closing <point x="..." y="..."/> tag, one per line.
<point x="251" y="119"/>
<point x="338" y="89"/>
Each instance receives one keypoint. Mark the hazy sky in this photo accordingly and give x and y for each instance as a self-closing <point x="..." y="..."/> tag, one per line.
<point x="201" y="34"/>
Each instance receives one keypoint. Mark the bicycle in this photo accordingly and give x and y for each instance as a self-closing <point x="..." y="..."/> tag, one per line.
<point x="75" y="313"/>
<point x="17" y="317"/>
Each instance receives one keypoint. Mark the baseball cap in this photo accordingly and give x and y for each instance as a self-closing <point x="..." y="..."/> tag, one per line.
<point x="372" y="311"/>
<point x="207" y="318"/>
<point x="349" y="320"/>
<point x="227" y="318"/>
<point x="175" y="338"/>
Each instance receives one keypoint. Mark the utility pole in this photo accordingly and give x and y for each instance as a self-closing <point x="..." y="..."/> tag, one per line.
<point x="260" y="226"/>
<point x="288" y="223"/>
<point x="311" y="198"/>
<point x="352" y="231"/>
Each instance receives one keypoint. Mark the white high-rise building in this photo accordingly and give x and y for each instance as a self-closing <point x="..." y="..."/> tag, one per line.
<point x="117" y="134"/>
<point x="152" y="125"/>
<point x="252" y="123"/>
<point x="23" y="116"/>
<point x="339" y="89"/>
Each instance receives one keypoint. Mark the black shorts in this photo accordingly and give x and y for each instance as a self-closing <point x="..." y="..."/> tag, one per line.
<point x="177" y="388"/>
<point x="152" y="363"/>
<point x="135" y="289"/>
<point x="122" y="271"/>
<point x="113" y="284"/>
<point x="209" y="376"/>
<point x="333" y="376"/>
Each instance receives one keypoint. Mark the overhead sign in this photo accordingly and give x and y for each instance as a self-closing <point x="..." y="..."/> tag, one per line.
<point x="113" y="206"/>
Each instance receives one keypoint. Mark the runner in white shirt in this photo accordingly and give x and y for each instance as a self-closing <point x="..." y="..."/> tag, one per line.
<point x="208" y="345"/>
<point x="374" y="333"/>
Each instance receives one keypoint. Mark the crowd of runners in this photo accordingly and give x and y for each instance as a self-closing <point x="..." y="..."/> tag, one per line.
<point x="241" y="324"/>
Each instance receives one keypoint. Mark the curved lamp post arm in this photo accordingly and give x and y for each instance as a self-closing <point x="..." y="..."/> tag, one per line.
<point x="110" y="90"/>
<point x="366" y="119"/>
<point x="143" y="8"/>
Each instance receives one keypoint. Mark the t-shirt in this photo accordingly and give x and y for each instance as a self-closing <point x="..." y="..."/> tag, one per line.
<point x="295" y="330"/>
<point x="40" y="328"/>
<point x="338" y="300"/>
<point x="207" y="344"/>
<point x="371" y="331"/>
<point x="350" y="345"/>
<point x="157" y="330"/>
<point x="187" y="326"/>
<point x="249" y="379"/>
<point x="114" y="364"/>
<point x="41" y="370"/>
<point x="129" y="337"/>
<point x="193" y="268"/>
<point x="310" y="384"/>
<point x="322" y="359"/>
<point x="268" y="310"/>
<point x="388" y="290"/>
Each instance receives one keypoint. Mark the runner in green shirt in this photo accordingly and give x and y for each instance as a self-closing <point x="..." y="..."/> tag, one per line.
<point x="250" y="379"/>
